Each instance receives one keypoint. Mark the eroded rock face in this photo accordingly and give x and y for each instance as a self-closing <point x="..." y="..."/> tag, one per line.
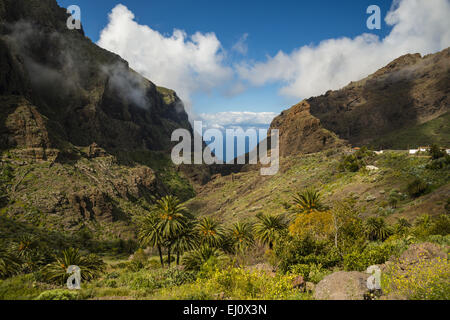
<point x="301" y="132"/>
<point x="93" y="205"/>
<point x="409" y="91"/>
<point x="77" y="92"/>
<point x="342" y="286"/>
<point x="72" y="117"/>
<point x="24" y="126"/>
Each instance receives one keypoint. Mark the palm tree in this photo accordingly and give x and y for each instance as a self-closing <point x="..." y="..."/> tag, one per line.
<point x="172" y="220"/>
<point x="377" y="229"/>
<point x="209" y="232"/>
<point x="308" y="201"/>
<point x="241" y="235"/>
<point x="151" y="235"/>
<point x="31" y="254"/>
<point x="193" y="260"/>
<point x="423" y="221"/>
<point x="268" y="228"/>
<point x="186" y="240"/>
<point x="167" y="225"/>
<point x="402" y="225"/>
<point x="91" y="266"/>
<point x="9" y="263"/>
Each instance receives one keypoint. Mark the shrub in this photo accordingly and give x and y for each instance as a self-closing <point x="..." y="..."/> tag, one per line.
<point x="441" y="240"/>
<point x="238" y="283"/>
<point x="317" y="273"/>
<point x="441" y="225"/>
<point x="139" y="261"/>
<point x="436" y="152"/>
<point x="294" y="250"/>
<point x="423" y="226"/>
<point x="310" y="272"/>
<point x="157" y="279"/>
<point x="349" y="233"/>
<point x="19" y="288"/>
<point x="9" y="262"/>
<point x="301" y="270"/>
<point x="425" y="280"/>
<point x="417" y="188"/>
<point x="440" y="163"/>
<point x="356" y="161"/>
<point x="193" y="260"/>
<point x="59" y="295"/>
<point x="318" y="224"/>
<point x="374" y="253"/>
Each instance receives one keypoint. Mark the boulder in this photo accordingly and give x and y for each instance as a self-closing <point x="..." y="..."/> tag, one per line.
<point x="342" y="286"/>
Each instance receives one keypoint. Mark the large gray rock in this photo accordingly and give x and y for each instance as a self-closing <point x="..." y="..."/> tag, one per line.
<point x="342" y="286"/>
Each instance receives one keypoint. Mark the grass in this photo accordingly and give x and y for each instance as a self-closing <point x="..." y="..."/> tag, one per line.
<point x="436" y="131"/>
<point x="247" y="194"/>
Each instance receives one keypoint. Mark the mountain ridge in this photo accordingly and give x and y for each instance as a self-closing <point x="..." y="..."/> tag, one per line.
<point x="409" y="91"/>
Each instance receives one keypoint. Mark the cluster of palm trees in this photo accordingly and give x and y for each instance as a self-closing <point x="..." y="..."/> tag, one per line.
<point x="169" y="227"/>
<point x="27" y="255"/>
<point x="172" y="230"/>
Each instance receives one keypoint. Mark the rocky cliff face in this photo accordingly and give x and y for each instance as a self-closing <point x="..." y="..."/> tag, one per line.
<point x="83" y="138"/>
<point x="78" y="93"/>
<point x="301" y="132"/>
<point x="410" y="91"/>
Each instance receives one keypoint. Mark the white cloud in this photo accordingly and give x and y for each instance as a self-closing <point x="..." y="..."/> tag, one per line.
<point x="190" y="64"/>
<point x="418" y="26"/>
<point x="241" y="45"/>
<point x="185" y="64"/>
<point x="222" y="120"/>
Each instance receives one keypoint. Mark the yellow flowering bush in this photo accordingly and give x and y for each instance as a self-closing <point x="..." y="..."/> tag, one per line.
<point x="424" y="280"/>
<point x="317" y="223"/>
<point x="238" y="284"/>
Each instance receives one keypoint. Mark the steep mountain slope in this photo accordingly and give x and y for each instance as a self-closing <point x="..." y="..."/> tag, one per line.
<point x="84" y="139"/>
<point x="85" y="93"/>
<point x="406" y="103"/>
<point x="408" y="92"/>
<point x="301" y="132"/>
<point x="244" y="195"/>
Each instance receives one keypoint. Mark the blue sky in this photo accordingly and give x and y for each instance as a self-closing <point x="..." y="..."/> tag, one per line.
<point x="271" y="26"/>
<point x="259" y="57"/>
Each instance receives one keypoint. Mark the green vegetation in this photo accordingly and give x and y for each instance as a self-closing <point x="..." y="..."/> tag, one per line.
<point x="180" y="253"/>
<point x="308" y="201"/>
<point x="426" y="280"/>
<point x="356" y="161"/>
<point x="436" y="131"/>
<point x="91" y="266"/>
<point x="269" y="228"/>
